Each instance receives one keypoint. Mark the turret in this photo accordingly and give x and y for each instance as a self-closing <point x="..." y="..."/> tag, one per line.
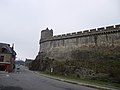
<point x="46" y="34"/>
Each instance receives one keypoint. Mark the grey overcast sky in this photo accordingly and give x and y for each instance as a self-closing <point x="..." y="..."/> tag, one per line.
<point x="21" y="21"/>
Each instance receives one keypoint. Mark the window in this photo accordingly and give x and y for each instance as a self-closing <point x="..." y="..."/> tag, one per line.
<point x="1" y="58"/>
<point x="4" y="50"/>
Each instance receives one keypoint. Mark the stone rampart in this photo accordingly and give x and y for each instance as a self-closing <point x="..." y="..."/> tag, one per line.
<point x="60" y="46"/>
<point x="96" y="31"/>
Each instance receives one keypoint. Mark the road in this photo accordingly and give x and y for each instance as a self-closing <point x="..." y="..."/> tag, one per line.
<point x="28" y="80"/>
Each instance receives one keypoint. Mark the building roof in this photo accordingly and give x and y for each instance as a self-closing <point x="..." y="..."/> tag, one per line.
<point x="8" y="48"/>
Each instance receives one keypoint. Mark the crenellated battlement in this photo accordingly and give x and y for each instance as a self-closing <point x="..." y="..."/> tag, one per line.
<point x="59" y="47"/>
<point x="94" y="31"/>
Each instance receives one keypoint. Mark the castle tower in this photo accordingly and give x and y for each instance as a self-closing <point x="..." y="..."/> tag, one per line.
<point x="46" y="34"/>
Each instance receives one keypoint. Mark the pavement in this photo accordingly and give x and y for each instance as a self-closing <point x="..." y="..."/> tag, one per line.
<point x="24" y="79"/>
<point x="82" y="83"/>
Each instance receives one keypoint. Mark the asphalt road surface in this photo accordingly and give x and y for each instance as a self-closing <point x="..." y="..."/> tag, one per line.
<point x="24" y="79"/>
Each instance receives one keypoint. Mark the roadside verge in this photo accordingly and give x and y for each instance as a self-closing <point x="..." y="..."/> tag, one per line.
<point x="96" y="86"/>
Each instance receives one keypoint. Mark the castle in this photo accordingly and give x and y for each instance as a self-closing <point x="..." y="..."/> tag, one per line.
<point x="59" y="47"/>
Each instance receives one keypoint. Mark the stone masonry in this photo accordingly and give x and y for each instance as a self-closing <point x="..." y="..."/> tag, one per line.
<point x="59" y="47"/>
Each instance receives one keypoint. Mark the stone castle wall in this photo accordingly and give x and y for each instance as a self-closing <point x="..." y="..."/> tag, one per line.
<point x="60" y="46"/>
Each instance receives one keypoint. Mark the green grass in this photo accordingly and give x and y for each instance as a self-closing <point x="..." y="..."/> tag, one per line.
<point x="104" y="83"/>
<point x="82" y="80"/>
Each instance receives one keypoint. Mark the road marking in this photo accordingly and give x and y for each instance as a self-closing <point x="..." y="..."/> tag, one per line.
<point x="4" y="75"/>
<point x="7" y="75"/>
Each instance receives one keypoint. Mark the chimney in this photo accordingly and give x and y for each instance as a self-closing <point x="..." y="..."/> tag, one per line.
<point x="13" y="46"/>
